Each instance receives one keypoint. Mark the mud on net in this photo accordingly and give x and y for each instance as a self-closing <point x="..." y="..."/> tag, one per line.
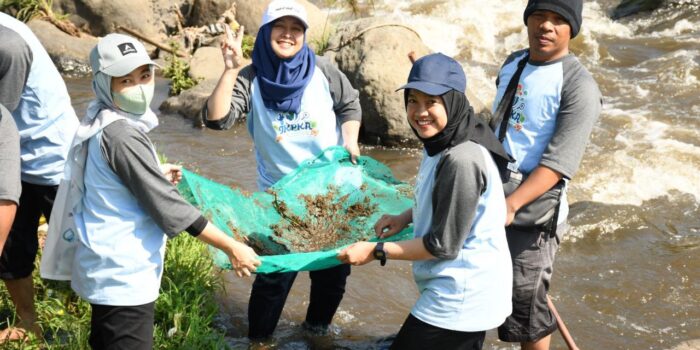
<point x="301" y="222"/>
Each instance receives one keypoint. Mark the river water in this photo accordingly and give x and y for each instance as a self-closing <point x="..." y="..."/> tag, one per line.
<point x="627" y="274"/>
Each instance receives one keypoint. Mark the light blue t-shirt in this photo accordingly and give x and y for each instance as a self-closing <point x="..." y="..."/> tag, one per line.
<point x="119" y="258"/>
<point x="283" y="140"/>
<point x="45" y="118"/>
<point x="471" y="292"/>
<point x="555" y="107"/>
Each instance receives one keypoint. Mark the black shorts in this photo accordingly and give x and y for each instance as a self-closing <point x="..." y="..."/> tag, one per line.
<point x="418" y="335"/>
<point x="19" y="253"/>
<point x="532" y="253"/>
<point x="122" y="327"/>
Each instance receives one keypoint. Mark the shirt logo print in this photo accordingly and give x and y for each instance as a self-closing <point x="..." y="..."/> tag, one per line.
<point x="517" y="115"/>
<point x="293" y="124"/>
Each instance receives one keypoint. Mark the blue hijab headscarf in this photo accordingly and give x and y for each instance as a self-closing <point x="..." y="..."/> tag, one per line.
<point x="282" y="81"/>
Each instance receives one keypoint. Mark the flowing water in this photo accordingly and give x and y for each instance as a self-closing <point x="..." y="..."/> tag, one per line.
<point x="627" y="274"/>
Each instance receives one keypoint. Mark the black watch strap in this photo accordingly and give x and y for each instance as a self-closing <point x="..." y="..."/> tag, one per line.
<point x="379" y="253"/>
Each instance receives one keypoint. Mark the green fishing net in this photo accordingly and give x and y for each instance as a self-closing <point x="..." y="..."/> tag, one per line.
<point x="304" y="220"/>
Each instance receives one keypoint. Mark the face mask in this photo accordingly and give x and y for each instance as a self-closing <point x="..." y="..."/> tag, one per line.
<point x="134" y="99"/>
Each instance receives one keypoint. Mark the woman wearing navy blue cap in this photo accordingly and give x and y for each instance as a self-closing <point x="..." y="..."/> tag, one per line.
<point x="297" y="105"/>
<point x="460" y="253"/>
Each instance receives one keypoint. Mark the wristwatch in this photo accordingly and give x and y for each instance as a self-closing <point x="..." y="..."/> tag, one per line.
<point x="379" y="253"/>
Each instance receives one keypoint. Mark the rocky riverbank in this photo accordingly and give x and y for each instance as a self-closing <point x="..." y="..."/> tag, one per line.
<point x="361" y="48"/>
<point x="372" y="52"/>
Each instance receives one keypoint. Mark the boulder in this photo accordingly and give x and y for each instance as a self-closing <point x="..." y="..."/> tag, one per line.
<point x="249" y="14"/>
<point x="101" y="17"/>
<point x="376" y="64"/>
<point x="206" y="63"/>
<point x="166" y="12"/>
<point x="70" y="54"/>
<point x="688" y="345"/>
<point x="206" y="12"/>
<point x="631" y="7"/>
<point x="190" y="102"/>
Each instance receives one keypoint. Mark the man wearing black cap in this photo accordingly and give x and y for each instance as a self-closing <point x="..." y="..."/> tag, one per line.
<point x="549" y="112"/>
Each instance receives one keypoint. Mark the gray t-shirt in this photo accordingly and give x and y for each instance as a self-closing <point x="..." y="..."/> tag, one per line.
<point x="346" y="102"/>
<point x="461" y="178"/>
<point x="15" y="64"/>
<point x="10" y="183"/>
<point x="128" y="153"/>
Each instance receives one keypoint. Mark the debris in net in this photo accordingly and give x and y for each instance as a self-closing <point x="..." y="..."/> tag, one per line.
<point x="326" y="224"/>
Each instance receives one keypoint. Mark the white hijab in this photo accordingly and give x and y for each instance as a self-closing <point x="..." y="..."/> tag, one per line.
<point x="100" y="113"/>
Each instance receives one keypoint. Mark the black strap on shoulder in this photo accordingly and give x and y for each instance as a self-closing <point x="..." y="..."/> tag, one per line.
<point x="505" y="107"/>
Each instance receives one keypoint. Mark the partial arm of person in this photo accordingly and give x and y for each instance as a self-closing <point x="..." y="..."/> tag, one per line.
<point x="389" y="225"/>
<point x="243" y="258"/>
<point x="579" y="110"/>
<point x="459" y="182"/>
<point x="172" y="172"/>
<point x="15" y="65"/>
<point x="10" y="183"/>
<point x="230" y="98"/>
<point x="351" y="131"/>
<point x="8" y="209"/>
<point x="346" y="105"/>
<point x="128" y="152"/>
<point x="361" y="253"/>
<point x="540" y="181"/>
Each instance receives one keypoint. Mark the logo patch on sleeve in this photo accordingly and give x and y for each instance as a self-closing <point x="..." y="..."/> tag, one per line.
<point x="126" y="48"/>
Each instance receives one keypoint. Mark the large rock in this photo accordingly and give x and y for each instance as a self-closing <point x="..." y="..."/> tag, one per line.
<point x="631" y="7"/>
<point x="249" y="14"/>
<point x="688" y="345"/>
<point x="207" y="64"/>
<point x="70" y="54"/>
<point x="166" y="12"/>
<point x="206" y="12"/>
<point x="376" y="64"/>
<point x="101" y="17"/>
<point x="190" y="102"/>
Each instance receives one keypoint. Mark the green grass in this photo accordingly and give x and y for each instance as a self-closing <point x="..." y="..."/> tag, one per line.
<point x="25" y="10"/>
<point x="184" y="316"/>
<point x="177" y="71"/>
<point x="247" y="45"/>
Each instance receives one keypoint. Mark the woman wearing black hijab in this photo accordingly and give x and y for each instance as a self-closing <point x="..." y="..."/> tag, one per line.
<point x="460" y="253"/>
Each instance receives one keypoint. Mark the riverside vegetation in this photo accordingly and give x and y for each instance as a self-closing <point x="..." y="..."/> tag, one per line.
<point x="185" y="311"/>
<point x="184" y="315"/>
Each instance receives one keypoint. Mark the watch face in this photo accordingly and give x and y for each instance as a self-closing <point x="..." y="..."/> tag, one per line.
<point x="378" y="254"/>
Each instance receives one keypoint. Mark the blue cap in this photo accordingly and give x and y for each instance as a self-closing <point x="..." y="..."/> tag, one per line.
<point x="436" y="74"/>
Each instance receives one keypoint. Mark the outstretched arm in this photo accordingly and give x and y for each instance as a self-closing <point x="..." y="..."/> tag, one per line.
<point x="242" y="257"/>
<point x="351" y="130"/>
<point x="361" y="253"/>
<point x="219" y="102"/>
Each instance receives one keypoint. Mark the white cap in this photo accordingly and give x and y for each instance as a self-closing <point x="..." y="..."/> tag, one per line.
<point x="280" y="8"/>
<point x="117" y="55"/>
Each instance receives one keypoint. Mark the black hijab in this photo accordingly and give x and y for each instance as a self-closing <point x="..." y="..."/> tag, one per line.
<point x="463" y="125"/>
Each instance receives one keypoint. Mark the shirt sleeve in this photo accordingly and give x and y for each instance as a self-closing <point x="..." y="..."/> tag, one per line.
<point x="346" y="99"/>
<point x="10" y="182"/>
<point x="15" y="64"/>
<point x="459" y="183"/>
<point x="129" y="154"/>
<point x="580" y="107"/>
<point x="240" y="101"/>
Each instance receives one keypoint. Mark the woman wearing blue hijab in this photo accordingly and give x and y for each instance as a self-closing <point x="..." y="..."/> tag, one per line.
<point x="297" y="105"/>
